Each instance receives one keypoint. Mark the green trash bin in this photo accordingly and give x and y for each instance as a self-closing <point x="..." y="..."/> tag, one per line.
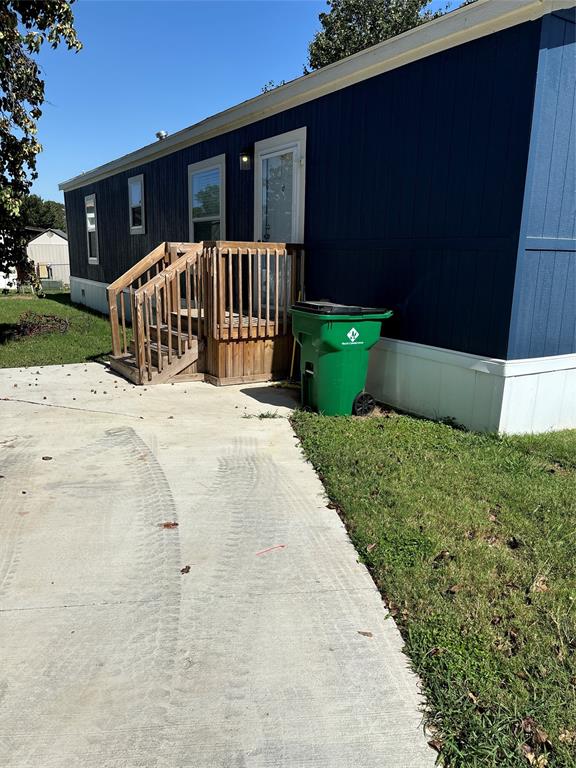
<point x="335" y="340"/>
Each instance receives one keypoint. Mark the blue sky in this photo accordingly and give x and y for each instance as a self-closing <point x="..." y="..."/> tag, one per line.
<point x="148" y="65"/>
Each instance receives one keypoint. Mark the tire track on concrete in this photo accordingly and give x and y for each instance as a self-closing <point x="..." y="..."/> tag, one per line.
<point x="14" y="452"/>
<point x="53" y="665"/>
<point x="301" y="568"/>
<point x="335" y="623"/>
<point x="256" y="504"/>
<point x="221" y="637"/>
<point x="127" y="673"/>
<point x="153" y="616"/>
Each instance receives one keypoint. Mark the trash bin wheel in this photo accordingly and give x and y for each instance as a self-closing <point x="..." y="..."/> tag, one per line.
<point x="363" y="404"/>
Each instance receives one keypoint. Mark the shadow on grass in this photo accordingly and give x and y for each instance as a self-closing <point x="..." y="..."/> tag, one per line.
<point x="65" y="300"/>
<point x="8" y="332"/>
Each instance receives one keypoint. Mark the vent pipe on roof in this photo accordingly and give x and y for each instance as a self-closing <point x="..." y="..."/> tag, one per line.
<point x="161" y="135"/>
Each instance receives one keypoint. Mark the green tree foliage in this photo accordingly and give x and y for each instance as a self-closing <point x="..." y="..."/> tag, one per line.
<point x="352" y="25"/>
<point x="24" y="27"/>
<point x="47" y="214"/>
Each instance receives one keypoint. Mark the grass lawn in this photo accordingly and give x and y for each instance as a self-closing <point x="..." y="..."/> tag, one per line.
<point x="87" y="338"/>
<point x="471" y="540"/>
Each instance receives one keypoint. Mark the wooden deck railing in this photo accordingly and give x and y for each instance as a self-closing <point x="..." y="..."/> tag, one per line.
<point x="252" y="287"/>
<point x="182" y="295"/>
<point x="169" y="312"/>
<point x="121" y="291"/>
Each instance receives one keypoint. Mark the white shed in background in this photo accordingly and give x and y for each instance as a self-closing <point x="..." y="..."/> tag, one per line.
<point x="49" y="253"/>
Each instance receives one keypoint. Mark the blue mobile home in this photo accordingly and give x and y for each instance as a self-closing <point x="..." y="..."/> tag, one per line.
<point x="434" y="173"/>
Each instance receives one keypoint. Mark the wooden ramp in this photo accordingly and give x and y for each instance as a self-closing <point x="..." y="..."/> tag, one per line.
<point x="216" y="311"/>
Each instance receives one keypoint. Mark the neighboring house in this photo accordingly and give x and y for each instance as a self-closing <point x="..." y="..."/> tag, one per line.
<point x="49" y="253"/>
<point x="433" y="173"/>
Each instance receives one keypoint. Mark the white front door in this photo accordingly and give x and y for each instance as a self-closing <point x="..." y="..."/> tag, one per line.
<point x="279" y="186"/>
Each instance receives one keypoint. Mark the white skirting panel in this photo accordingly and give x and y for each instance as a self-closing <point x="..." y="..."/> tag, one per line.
<point x="484" y="394"/>
<point x="89" y="292"/>
<point x="540" y="401"/>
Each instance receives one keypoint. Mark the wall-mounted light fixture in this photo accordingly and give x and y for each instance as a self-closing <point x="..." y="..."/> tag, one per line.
<point x="245" y="160"/>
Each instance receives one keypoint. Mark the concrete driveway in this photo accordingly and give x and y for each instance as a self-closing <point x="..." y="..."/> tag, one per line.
<point x="231" y="638"/>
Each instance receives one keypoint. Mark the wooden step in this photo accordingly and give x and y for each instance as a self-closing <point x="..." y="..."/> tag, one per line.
<point x="184" y="320"/>
<point x="178" y="363"/>
<point x="164" y="336"/>
<point x="155" y="353"/>
<point x="125" y="365"/>
<point x="186" y="353"/>
<point x="164" y="345"/>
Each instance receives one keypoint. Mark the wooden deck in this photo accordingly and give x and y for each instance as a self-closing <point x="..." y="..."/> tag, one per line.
<point x="238" y="328"/>
<point x="218" y="311"/>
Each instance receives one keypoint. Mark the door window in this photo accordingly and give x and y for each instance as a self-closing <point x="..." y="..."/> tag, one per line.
<point x="279" y="186"/>
<point x="278" y="197"/>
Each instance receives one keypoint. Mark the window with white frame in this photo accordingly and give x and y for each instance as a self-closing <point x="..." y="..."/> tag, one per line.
<point x="91" y="228"/>
<point x="136" y="205"/>
<point x="206" y="199"/>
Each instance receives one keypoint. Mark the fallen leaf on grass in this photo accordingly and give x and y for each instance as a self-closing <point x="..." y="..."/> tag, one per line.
<point x="332" y="505"/>
<point x="567" y="737"/>
<point x="186" y="569"/>
<point x="540" y="761"/>
<point x="370" y="547"/>
<point x="169" y="524"/>
<point x="539" y="735"/>
<point x="454" y="589"/>
<point x="540" y="584"/>
<point x="365" y="634"/>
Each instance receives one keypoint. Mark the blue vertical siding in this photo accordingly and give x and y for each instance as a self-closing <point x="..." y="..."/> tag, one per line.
<point x="544" y="308"/>
<point x="414" y="190"/>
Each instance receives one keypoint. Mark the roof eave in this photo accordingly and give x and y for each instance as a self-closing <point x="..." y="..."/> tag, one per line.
<point x="460" y="26"/>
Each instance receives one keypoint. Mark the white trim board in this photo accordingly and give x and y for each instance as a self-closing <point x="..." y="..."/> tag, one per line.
<point x="470" y="22"/>
<point x="481" y="393"/>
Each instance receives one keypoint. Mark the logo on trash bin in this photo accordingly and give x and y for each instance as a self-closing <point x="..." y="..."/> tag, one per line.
<point x="352" y="334"/>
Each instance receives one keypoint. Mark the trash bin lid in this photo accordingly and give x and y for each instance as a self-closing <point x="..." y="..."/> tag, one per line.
<point x="329" y="308"/>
